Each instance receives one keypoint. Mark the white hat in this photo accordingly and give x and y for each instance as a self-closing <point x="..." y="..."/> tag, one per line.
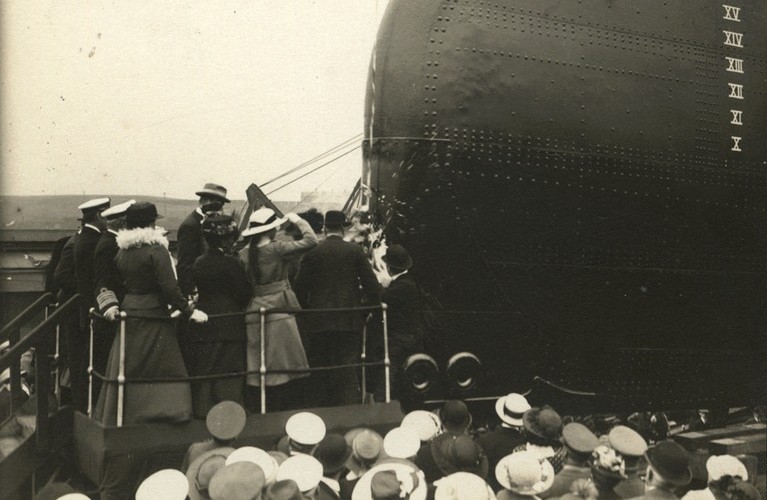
<point x="74" y="496"/>
<point x="463" y="486"/>
<point x="402" y="469"/>
<point x="510" y="409"/>
<point x="725" y="465"/>
<point x="167" y="484"/>
<point x="401" y="442"/>
<point x="305" y="470"/>
<point x="116" y="211"/>
<point x="524" y="473"/>
<point x="94" y="204"/>
<point x="262" y="220"/>
<point x="305" y="428"/>
<point x="257" y="456"/>
<point x="425" y="423"/>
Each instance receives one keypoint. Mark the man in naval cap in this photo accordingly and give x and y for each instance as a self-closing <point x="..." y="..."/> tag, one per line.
<point x="82" y="252"/>
<point x="108" y="286"/>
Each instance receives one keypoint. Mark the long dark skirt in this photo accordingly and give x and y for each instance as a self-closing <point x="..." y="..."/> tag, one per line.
<point x="209" y="358"/>
<point x="151" y="351"/>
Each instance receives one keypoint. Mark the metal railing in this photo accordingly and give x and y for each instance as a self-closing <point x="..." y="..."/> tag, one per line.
<point x="262" y="371"/>
<point x="39" y="339"/>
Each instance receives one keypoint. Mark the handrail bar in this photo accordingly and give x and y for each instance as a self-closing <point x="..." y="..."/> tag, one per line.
<point x="24" y="316"/>
<point x="28" y="341"/>
<point x="262" y="371"/>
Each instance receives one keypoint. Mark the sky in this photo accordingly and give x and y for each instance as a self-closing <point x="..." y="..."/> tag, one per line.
<point x="158" y="98"/>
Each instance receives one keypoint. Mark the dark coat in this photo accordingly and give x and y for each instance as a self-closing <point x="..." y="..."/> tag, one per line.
<point x="497" y="444"/>
<point x="223" y="288"/>
<point x="190" y="246"/>
<point x="657" y="494"/>
<point x="403" y="314"/>
<point x="150" y="283"/>
<point x="64" y="274"/>
<point x="564" y="479"/>
<point x="631" y="487"/>
<point x="85" y="248"/>
<point x="106" y="275"/>
<point x="330" y="277"/>
<point x="50" y="269"/>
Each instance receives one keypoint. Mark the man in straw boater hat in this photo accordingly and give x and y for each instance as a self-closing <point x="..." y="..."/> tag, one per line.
<point x="725" y="473"/>
<point x="335" y="274"/>
<point x="629" y="444"/>
<point x="523" y="476"/>
<point x="391" y="479"/>
<point x="77" y="263"/>
<point x="502" y="441"/>
<point x="237" y="481"/>
<point x="463" y="486"/>
<point x="189" y="238"/>
<point x="579" y="442"/>
<point x="305" y="470"/>
<point x="668" y="467"/>
<point x="367" y="448"/>
<point x="109" y="289"/>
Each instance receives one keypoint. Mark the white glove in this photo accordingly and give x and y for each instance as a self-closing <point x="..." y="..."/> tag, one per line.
<point x="112" y="314"/>
<point x="294" y="218"/>
<point x="175" y="313"/>
<point x="198" y="316"/>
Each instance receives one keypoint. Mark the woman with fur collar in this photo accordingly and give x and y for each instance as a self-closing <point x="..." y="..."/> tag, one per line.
<point x="151" y="349"/>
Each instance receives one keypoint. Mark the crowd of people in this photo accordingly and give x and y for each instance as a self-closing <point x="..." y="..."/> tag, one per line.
<point x="200" y="315"/>
<point x="532" y="454"/>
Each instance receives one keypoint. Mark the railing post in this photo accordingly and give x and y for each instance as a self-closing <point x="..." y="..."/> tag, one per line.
<point x="90" y="363"/>
<point x="121" y="373"/>
<point x="16" y="392"/>
<point x="262" y="368"/>
<point x="56" y="356"/>
<point x="43" y="383"/>
<point x="387" y="362"/>
<point x="363" y="357"/>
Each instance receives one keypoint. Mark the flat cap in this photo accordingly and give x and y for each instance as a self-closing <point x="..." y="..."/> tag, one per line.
<point x="627" y="441"/>
<point x="579" y="438"/>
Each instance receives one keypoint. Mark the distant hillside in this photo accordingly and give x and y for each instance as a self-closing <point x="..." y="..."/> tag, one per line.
<point x="60" y="211"/>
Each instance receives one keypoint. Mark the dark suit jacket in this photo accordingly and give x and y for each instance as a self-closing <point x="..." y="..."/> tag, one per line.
<point x="85" y="248"/>
<point x="64" y="275"/>
<point x="223" y="288"/>
<point x="105" y="270"/>
<point x="331" y="276"/>
<point x="497" y="444"/>
<point x="190" y="246"/>
<point x="657" y="494"/>
<point x="403" y="313"/>
<point x="564" y="479"/>
<point x="50" y="269"/>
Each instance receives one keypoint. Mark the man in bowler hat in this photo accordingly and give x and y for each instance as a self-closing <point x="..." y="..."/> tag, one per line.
<point x="336" y="274"/>
<point x="189" y="237"/>
<point x="403" y="319"/>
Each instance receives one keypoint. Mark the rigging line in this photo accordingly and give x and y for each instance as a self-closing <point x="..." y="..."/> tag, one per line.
<point x="334" y="172"/>
<point x="334" y="149"/>
<point x="313" y="170"/>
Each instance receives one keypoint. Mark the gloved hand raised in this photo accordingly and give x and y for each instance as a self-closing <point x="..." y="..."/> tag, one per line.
<point x="198" y="316"/>
<point x="294" y="218"/>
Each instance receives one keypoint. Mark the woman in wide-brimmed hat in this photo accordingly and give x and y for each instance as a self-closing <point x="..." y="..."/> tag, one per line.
<point x="217" y="346"/>
<point x="543" y="433"/>
<point x="523" y="475"/>
<point x="151" y="349"/>
<point x="267" y="262"/>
